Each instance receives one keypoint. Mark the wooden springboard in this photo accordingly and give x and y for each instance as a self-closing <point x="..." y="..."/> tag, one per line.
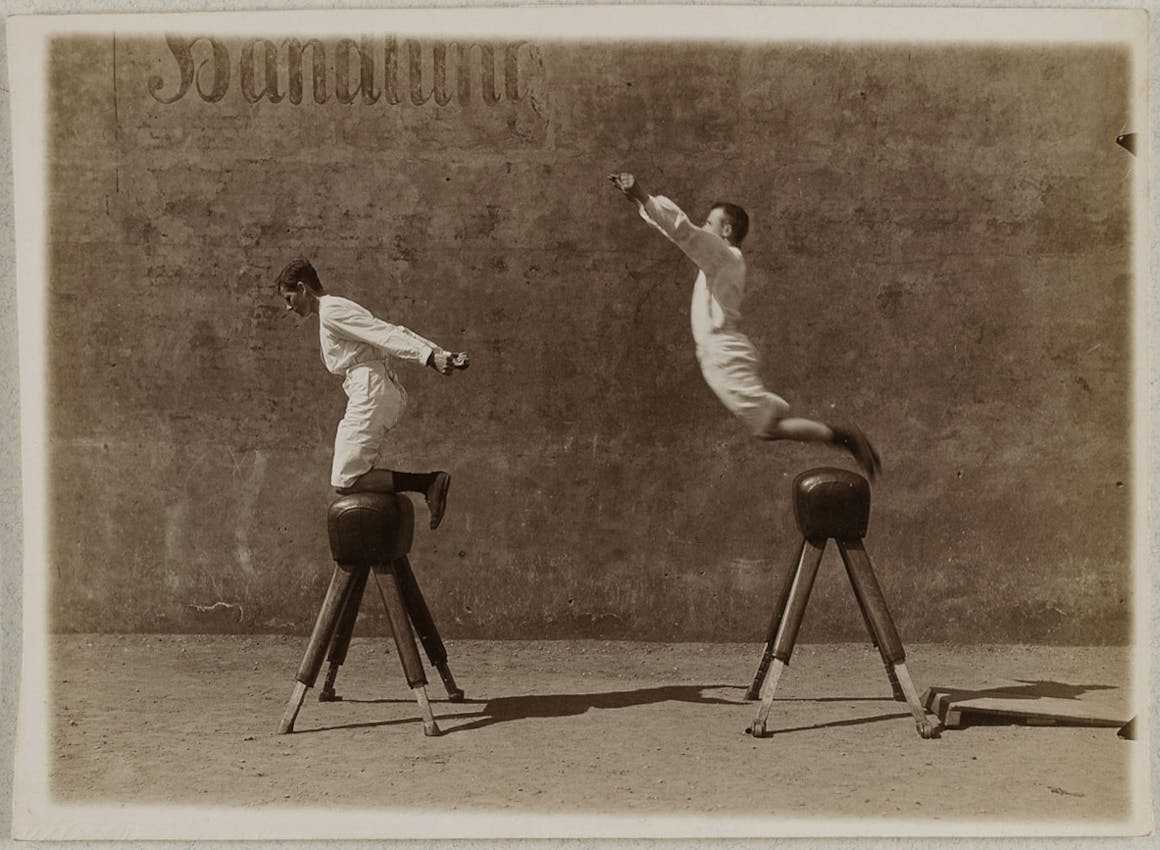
<point x="1101" y="706"/>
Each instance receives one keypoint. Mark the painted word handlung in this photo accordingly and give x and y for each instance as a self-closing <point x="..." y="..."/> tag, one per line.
<point x="273" y="71"/>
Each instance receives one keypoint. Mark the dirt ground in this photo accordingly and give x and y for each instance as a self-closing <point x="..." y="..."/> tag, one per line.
<point x="581" y="728"/>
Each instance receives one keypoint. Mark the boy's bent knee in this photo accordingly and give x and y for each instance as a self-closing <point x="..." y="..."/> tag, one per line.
<point x="768" y="427"/>
<point x="768" y="430"/>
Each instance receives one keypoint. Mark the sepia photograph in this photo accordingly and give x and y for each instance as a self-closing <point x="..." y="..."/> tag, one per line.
<point x="625" y="422"/>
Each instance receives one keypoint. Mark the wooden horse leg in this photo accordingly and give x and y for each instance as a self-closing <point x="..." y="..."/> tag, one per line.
<point x="799" y="595"/>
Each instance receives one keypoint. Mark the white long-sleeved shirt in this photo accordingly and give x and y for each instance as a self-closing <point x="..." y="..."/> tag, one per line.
<point x="350" y="334"/>
<point x="720" y="285"/>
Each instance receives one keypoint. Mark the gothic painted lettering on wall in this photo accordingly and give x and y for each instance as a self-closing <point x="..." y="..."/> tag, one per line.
<point x="367" y="72"/>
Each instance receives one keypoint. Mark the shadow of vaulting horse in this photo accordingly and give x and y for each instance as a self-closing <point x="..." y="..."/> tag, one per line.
<point x="546" y="706"/>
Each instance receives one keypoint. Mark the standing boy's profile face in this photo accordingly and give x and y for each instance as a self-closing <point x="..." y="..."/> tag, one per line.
<point x="718" y="223"/>
<point x="297" y="300"/>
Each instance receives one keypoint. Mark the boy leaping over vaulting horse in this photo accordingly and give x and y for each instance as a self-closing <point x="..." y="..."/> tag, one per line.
<point x="728" y="359"/>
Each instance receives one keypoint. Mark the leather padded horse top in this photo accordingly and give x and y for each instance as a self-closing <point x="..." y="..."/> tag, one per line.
<point x="370" y="528"/>
<point x="829" y="502"/>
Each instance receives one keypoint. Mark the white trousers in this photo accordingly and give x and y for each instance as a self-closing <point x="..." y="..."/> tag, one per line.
<point x="731" y="368"/>
<point x="375" y="402"/>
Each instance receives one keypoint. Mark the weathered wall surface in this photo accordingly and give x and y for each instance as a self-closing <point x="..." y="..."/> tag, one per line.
<point x="939" y="252"/>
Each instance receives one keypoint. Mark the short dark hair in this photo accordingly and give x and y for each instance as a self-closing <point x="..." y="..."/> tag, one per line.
<point x="299" y="271"/>
<point x="737" y="217"/>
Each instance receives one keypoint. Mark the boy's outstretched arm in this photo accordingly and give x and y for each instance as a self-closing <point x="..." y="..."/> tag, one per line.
<point x="705" y="249"/>
<point x="353" y="322"/>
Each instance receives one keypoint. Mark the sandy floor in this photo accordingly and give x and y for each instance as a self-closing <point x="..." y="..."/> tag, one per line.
<point x="576" y="728"/>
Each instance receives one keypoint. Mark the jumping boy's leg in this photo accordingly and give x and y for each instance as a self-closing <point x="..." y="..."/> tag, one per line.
<point x="796" y="428"/>
<point x="848" y="437"/>
<point x="433" y="486"/>
<point x="730" y="369"/>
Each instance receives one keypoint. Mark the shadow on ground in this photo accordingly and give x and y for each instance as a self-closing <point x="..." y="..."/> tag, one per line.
<point x="545" y="706"/>
<point x="550" y="706"/>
